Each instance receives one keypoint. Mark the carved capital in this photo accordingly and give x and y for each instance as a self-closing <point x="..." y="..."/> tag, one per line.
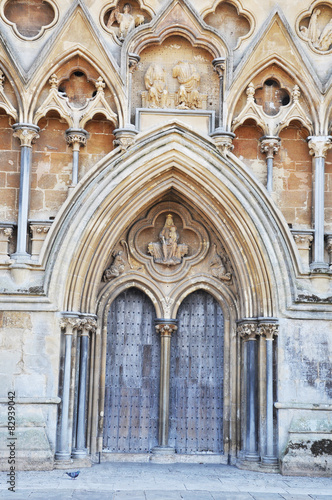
<point x="133" y="62"/>
<point x="6" y="233"/>
<point x="329" y="244"/>
<point x="166" y="329"/>
<point x="39" y="230"/>
<point x="88" y="326"/>
<point x="69" y="324"/>
<point x="247" y="331"/>
<point x="319" y="145"/>
<point x="303" y="241"/>
<point x="268" y="330"/>
<point x="76" y="138"/>
<point x="223" y="141"/>
<point x="124" y="138"/>
<point x="270" y="146"/>
<point x="26" y="133"/>
<point x="219" y="66"/>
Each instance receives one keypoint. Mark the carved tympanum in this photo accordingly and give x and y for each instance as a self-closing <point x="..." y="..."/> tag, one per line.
<point x="168" y="251"/>
<point x="316" y="28"/>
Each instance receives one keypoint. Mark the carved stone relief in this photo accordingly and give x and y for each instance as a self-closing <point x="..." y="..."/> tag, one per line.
<point x="168" y="251"/>
<point x="29" y="18"/>
<point x="121" y="19"/>
<point x="186" y="97"/>
<point x="232" y="22"/>
<point x="218" y="266"/>
<point x="315" y="27"/>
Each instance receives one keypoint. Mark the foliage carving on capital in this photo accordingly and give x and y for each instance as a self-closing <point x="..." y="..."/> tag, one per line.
<point x="247" y="331"/>
<point x="166" y="329"/>
<point x="270" y="146"/>
<point x="268" y="330"/>
<point x="88" y="325"/>
<point x="319" y="145"/>
<point x="70" y="324"/>
<point x="26" y="135"/>
<point x="7" y="232"/>
<point x="303" y="241"/>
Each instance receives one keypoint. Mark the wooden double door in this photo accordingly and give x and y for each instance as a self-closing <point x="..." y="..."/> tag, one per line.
<point x="133" y="376"/>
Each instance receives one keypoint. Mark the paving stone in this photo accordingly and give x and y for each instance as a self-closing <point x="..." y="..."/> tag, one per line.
<point x="196" y="495"/>
<point x="163" y="495"/>
<point x="91" y="495"/>
<point x="127" y="495"/>
<point x="50" y="495"/>
<point x="231" y="496"/>
<point x="288" y="496"/>
<point x="266" y="496"/>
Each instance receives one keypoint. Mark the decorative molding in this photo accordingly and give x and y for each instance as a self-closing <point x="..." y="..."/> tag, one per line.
<point x="124" y="138"/>
<point x="4" y="101"/>
<point x="39" y="232"/>
<point x="270" y="146"/>
<point x="223" y="141"/>
<point x="76" y="138"/>
<point x="272" y="125"/>
<point x="6" y="234"/>
<point x="268" y="330"/>
<point x="76" y="117"/>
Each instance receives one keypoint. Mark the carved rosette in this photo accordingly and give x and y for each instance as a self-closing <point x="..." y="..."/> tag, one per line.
<point x="270" y="146"/>
<point x="27" y="134"/>
<point x="268" y="330"/>
<point x="319" y="145"/>
<point x="166" y="330"/>
<point x="247" y="330"/>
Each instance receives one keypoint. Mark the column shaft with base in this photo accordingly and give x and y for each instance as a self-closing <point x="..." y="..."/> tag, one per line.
<point x="27" y="133"/>
<point x="270" y="146"/>
<point x="269" y="329"/>
<point x="219" y="67"/>
<point x="64" y="441"/>
<point x="248" y="331"/>
<point x="318" y="146"/>
<point x="165" y="328"/>
<point x="87" y="327"/>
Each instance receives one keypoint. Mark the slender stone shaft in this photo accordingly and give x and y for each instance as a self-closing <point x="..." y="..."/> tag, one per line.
<point x="219" y="68"/>
<point x="63" y="451"/>
<point x="80" y="449"/>
<point x="318" y="147"/>
<point x="27" y="134"/>
<point x="165" y="329"/>
<point x="269" y="146"/>
<point x="76" y="138"/>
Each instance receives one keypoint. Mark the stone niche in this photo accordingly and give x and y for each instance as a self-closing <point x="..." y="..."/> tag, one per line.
<point x="174" y="51"/>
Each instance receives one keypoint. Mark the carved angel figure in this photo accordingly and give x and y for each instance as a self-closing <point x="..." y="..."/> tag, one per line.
<point x="168" y="251"/>
<point x="188" y="78"/>
<point x="218" y="267"/>
<point x="325" y="39"/>
<point x="320" y="39"/>
<point x="155" y="84"/>
<point x="116" y="268"/>
<point x="126" y="20"/>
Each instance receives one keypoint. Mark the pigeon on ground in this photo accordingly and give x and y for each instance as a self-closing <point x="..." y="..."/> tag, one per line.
<point x="73" y="475"/>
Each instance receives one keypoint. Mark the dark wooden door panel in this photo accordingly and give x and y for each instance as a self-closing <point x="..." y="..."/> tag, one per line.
<point x="196" y="385"/>
<point x="132" y="375"/>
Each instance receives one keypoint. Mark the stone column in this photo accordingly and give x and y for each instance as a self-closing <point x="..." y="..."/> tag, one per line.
<point x="269" y="330"/>
<point x="165" y="328"/>
<point x="329" y="249"/>
<point x="247" y="329"/>
<point x="270" y="146"/>
<point x="219" y="68"/>
<point x="38" y="231"/>
<point x="76" y="137"/>
<point x="318" y="147"/>
<point x="27" y="133"/>
<point x="87" y="327"/>
<point x="69" y="325"/>
<point x="6" y="234"/>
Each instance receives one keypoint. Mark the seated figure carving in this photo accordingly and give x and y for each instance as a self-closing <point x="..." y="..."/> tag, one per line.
<point x="155" y="84"/>
<point x="168" y="251"/>
<point x="189" y="79"/>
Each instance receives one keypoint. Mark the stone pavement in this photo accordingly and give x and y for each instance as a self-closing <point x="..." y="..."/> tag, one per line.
<point x="150" y="481"/>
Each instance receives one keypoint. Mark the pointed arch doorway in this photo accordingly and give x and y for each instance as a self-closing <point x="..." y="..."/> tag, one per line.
<point x="133" y="365"/>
